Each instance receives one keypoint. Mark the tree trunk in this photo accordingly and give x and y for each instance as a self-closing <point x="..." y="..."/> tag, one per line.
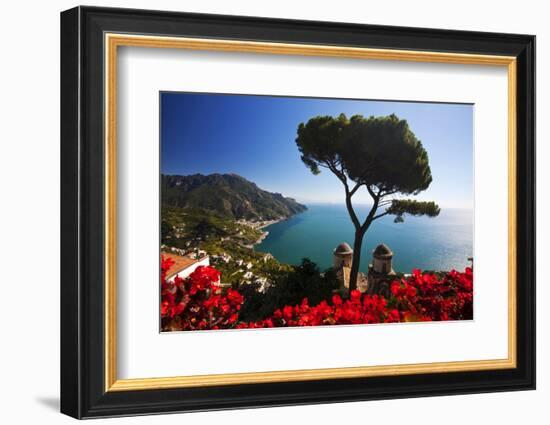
<point x="357" y="244"/>
<point x="360" y="231"/>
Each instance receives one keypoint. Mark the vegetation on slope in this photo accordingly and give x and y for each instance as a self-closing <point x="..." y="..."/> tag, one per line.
<point x="227" y="195"/>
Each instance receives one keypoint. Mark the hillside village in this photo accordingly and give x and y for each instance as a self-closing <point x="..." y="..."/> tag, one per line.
<point x="237" y="270"/>
<point x="204" y="239"/>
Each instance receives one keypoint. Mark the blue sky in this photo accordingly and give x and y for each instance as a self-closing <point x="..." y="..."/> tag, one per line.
<point x="254" y="136"/>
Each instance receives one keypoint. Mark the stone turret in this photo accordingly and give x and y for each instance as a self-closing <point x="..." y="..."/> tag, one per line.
<point x="381" y="273"/>
<point x="381" y="259"/>
<point x="343" y="255"/>
<point x="343" y="259"/>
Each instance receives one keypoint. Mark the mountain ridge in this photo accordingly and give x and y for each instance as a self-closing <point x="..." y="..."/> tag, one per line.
<point x="229" y="194"/>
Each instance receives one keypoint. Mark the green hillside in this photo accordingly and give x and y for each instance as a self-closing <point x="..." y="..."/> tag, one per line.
<point x="228" y="195"/>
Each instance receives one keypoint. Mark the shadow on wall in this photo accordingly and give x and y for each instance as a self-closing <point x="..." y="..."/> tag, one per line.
<point x="49" y="402"/>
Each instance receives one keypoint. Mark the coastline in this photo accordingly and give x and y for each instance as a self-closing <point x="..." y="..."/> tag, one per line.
<point x="270" y="222"/>
<point x="265" y="233"/>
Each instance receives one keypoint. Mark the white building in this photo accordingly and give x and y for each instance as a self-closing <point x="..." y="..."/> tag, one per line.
<point x="184" y="265"/>
<point x="262" y="281"/>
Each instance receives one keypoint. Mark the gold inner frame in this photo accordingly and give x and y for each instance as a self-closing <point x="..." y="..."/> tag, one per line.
<point x="113" y="41"/>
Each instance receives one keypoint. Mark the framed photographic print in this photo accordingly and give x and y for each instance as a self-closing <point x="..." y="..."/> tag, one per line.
<point x="261" y="212"/>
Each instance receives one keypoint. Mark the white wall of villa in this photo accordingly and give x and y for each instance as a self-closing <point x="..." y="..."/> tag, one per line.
<point x="184" y="273"/>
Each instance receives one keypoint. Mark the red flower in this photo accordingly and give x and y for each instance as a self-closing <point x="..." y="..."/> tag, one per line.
<point x="355" y="295"/>
<point x="395" y="288"/>
<point x="287" y="312"/>
<point x="411" y="291"/>
<point x="393" y="315"/>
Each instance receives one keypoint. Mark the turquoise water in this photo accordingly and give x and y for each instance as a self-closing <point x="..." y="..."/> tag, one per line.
<point x="441" y="243"/>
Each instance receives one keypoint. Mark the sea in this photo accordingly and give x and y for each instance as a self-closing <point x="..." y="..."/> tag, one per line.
<point x="441" y="243"/>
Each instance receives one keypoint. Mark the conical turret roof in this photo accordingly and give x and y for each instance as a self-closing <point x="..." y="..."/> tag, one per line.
<point x="382" y="251"/>
<point x="343" y="249"/>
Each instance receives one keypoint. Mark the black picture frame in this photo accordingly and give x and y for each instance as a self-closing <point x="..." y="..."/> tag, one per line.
<point x="83" y="392"/>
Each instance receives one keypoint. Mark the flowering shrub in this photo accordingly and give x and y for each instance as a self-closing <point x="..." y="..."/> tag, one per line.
<point x="425" y="296"/>
<point x="199" y="303"/>
<point x="357" y="309"/>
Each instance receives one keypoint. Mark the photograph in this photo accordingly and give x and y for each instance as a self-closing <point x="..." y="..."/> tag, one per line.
<point x="280" y="211"/>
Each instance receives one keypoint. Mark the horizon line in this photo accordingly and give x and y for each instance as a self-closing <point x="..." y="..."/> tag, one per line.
<point x="338" y="203"/>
